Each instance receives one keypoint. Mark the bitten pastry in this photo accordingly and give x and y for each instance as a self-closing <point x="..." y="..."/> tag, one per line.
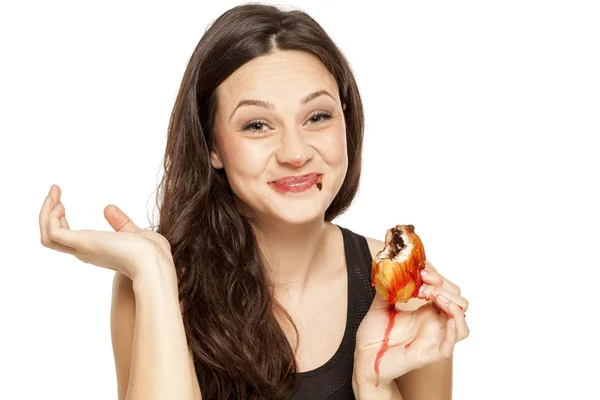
<point x="396" y="269"/>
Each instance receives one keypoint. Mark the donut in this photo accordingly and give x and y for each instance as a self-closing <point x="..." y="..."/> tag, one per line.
<point x="396" y="268"/>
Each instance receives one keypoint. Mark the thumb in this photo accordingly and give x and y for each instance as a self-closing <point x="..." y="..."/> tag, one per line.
<point x="118" y="220"/>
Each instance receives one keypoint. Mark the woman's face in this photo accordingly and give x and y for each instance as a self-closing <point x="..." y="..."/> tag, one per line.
<point x="294" y="126"/>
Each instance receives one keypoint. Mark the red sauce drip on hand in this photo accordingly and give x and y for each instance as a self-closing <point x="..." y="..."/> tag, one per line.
<point x="384" y="344"/>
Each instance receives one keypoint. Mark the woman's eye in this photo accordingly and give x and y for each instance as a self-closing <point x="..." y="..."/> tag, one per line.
<point x="319" y="117"/>
<point x="257" y="125"/>
<point x="254" y="126"/>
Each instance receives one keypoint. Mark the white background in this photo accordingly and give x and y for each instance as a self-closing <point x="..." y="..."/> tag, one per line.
<point x="481" y="128"/>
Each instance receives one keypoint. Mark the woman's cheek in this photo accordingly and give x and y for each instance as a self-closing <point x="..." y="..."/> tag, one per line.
<point x="244" y="167"/>
<point x="248" y="164"/>
<point x="334" y="149"/>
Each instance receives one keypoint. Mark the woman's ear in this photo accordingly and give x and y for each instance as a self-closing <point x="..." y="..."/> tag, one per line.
<point x="215" y="160"/>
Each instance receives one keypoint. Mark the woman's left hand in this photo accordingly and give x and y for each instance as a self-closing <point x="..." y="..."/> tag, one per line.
<point x="423" y="331"/>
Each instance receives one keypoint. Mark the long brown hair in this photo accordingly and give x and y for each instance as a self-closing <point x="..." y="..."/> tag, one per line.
<point x="240" y="350"/>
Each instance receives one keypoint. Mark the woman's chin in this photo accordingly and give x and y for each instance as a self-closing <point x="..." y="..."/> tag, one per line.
<point x="299" y="216"/>
<point x="298" y="212"/>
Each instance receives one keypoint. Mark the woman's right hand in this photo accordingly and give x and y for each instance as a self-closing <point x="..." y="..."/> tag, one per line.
<point x="130" y="250"/>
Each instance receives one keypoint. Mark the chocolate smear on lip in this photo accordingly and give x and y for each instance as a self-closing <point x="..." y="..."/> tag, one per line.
<point x="320" y="182"/>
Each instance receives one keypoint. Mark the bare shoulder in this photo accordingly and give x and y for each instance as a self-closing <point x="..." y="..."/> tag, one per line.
<point x="375" y="246"/>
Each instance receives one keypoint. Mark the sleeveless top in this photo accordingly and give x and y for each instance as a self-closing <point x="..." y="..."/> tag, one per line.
<point x="333" y="380"/>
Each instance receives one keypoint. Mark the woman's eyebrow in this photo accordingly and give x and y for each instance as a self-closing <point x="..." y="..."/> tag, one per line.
<point x="271" y="106"/>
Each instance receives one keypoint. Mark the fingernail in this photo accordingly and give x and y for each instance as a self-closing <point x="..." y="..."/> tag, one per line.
<point x="422" y="290"/>
<point x="442" y="298"/>
<point x="423" y="272"/>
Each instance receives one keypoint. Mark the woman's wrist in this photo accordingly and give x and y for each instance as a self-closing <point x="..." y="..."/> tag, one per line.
<point x="364" y="372"/>
<point x="155" y="274"/>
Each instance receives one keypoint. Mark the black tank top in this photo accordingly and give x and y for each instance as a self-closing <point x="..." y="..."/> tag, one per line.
<point x="333" y="380"/>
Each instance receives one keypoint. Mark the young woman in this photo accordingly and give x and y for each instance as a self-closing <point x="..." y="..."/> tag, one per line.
<point x="246" y="289"/>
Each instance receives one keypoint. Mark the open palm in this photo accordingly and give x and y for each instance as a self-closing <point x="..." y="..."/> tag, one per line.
<point x="127" y="250"/>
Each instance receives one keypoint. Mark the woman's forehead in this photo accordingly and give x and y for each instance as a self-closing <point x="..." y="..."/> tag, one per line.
<point x="284" y="75"/>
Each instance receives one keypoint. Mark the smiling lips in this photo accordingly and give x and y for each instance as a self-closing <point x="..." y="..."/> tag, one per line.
<point x="298" y="183"/>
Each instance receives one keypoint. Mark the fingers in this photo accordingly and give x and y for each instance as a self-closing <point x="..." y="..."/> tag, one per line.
<point x="454" y="312"/>
<point x="118" y="220"/>
<point x="64" y="223"/>
<point x="462" y="329"/>
<point x="433" y="277"/>
<point x="456" y="329"/>
<point x="60" y="236"/>
<point x="77" y="243"/>
<point x="441" y="301"/>
<point x="429" y="266"/>
<point x="428" y="292"/>
<point x="46" y="216"/>
<point x="450" y="338"/>
<point x="50" y="201"/>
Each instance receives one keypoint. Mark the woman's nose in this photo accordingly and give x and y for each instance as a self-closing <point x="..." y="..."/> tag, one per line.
<point x="293" y="150"/>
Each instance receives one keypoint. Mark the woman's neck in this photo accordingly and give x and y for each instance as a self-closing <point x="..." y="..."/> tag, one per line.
<point x="294" y="253"/>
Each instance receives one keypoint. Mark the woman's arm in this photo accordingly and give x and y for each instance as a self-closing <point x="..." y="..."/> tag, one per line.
<point x="432" y="382"/>
<point x="151" y="355"/>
